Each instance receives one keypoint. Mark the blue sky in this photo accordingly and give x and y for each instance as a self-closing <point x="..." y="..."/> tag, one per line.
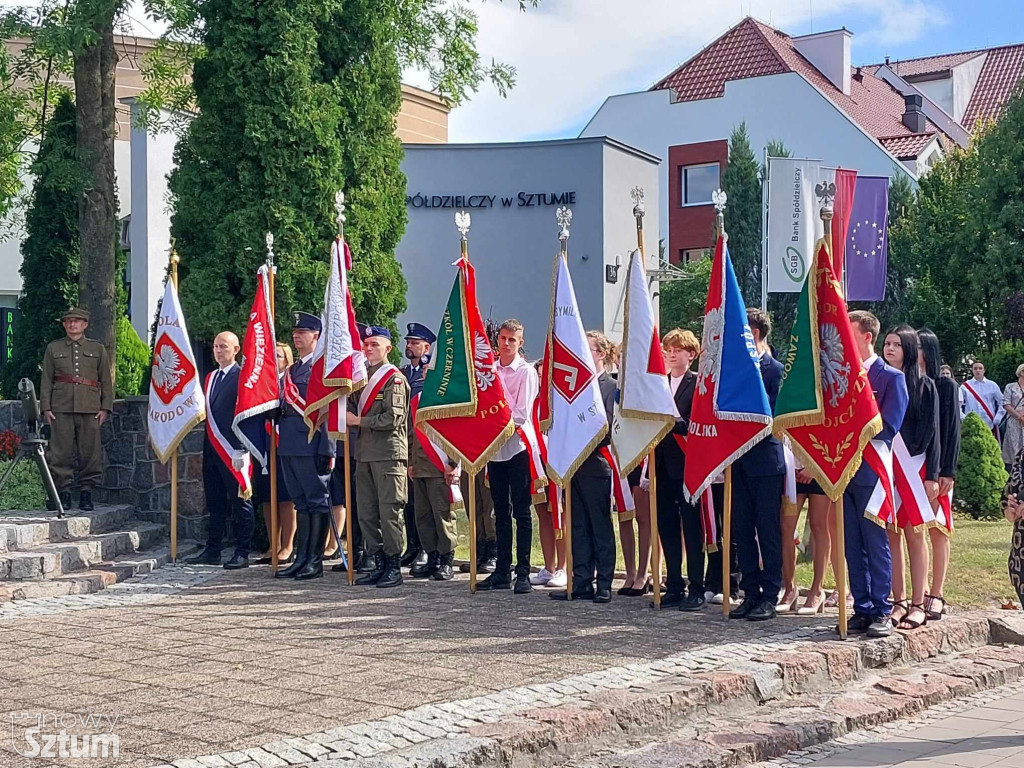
<point x="572" y="54"/>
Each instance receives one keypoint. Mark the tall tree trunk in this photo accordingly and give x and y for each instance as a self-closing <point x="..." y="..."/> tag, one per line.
<point x="97" y="212"/>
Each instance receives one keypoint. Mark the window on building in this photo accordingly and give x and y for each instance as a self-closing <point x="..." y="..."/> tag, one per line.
<point x="692" y="255"/>
<point x="698" y="182"/>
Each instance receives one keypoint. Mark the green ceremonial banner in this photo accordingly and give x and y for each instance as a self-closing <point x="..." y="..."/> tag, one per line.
<point x="449" y="388"/>
<point x="799" y="398"/>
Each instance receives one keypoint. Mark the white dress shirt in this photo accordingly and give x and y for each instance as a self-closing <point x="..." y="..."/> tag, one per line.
<point x="989" y="392"/>
<point x="521" y="387"/>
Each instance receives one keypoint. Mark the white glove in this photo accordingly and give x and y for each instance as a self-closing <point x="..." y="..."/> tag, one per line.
<point x="645" y="483"/>
<point x="238" y="460"/>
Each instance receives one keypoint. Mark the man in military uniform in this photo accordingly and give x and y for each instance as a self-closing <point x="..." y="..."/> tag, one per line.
<point x="306" y="463"/>
<point x="77" y="396"/>
<point x="417" y="350"/>
<point x="382" y="465"/>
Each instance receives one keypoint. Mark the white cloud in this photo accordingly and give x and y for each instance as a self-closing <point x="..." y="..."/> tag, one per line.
<point x="572" y="54"/>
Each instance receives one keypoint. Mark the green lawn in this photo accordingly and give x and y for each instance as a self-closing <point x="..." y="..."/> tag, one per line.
<point x="977" y="572"/>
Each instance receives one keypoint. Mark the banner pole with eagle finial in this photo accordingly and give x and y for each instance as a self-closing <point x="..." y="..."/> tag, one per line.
<point x="275" y="533"/>
<point x="462" y="223"/>
<point x="563" y="217"/>
<point x="339" y="207"/>
<point x="175" y="259"/>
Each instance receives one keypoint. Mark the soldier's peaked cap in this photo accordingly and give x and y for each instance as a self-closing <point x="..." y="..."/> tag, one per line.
<point x="307" y="322"/>
<point x="75" y="313"/>
<point x="421" y="332"/>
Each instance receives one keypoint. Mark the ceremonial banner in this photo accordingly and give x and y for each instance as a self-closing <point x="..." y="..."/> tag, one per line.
<point x="463" y="406"/>
<point x="572" y="411"/>
<point x="176" y="400"/>
<point x="730" y="412"/>
<point x="339" y="368"/>
<point x="825" y="404"/>
<point x="867" y="242"/>
<point x="846" y="182"/>
<point x="259" y="390"/>
<point x="646" y="410"/>
<point x="791" y="217"/>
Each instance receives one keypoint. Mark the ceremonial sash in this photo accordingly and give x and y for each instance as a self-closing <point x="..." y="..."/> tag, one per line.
<point x="944" y="514"/>
<point x="790" y="486"/>
<point x="984" y="407"/>
<point x="375" y="385"/>
<point x="707" y="504"/>
<point x="881" y="506"/>
<point x="292" y="396"/>
<point x="625" y="507"/>
<point x="224" y="450"/>
<point x="912" y="506"/>
<point x="437" y="457"/>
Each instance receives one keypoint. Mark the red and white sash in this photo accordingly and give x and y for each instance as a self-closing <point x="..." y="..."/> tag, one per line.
<point x="912" y="505"/>
<point x="982" y="403"/>
<point x="291" y="393"/>
<point x="375" y="386"/>
<point x="944" y="514"/>
<point x="436" y="456"/>
<point x="622" y="498"/>
<point x="881" y="506"/>
<point x="223" y="448"/>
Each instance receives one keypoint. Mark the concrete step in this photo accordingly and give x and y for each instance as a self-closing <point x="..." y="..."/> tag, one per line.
<point x="67" y="556"/>
<point x="99" y="576"/>
<point x="20" y="530"/>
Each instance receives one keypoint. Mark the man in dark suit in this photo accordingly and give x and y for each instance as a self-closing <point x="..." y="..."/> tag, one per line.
<point x="417" y="351"/>
<point x="758" y="480"/>
<point x="306" y="463"/>
<point x="678" y="518"/>
<point x="226" y="468"/>
<point x="868" y="558"/>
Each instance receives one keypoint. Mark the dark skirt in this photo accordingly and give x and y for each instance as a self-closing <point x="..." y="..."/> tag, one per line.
<point x="812" y="488"/>
<point x="261" y="482"/>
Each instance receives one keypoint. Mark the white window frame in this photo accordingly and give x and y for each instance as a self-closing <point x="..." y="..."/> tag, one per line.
<point x="682" y="182"/>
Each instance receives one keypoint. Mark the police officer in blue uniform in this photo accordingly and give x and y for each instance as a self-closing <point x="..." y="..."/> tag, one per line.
<point x="306" y="463"/>
<point x="418" y="341"/>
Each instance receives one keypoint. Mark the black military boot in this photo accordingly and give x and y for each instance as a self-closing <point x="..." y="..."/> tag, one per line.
<point x="490" y="563"/>
<point x="421" y="560"/>
<point x="65" y="499"/>
<point x="300" y="549"/>
<point x="392" y="572"/>
<point x="314" y="566"/>
<point x="444" y="570"/>
<point x="371" y="578"/>
<point x="85" y="501"/>
<point x="426" y="570"/>
<point x="364" y="561"/>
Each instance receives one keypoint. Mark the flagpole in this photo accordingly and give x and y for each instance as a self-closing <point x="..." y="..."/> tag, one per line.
<point x="563" y="216"/>
<point x="638" y="213"/>
<point x="275" y="538"/>
<point x="827" y="196"/>
<point x="339" y="206"/>
<point x="174" y="454"/>
<point x="719" y="197"/>
<point x="462" y="223"/>
<point x="765" y="192"/>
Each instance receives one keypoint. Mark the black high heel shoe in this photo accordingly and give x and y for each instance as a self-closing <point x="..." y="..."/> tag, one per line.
<point x="624" y="591"/>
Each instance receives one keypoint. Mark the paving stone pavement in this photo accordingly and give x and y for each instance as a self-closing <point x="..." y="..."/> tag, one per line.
<point x="984" y="730"/>
<point x="199" y="662"/>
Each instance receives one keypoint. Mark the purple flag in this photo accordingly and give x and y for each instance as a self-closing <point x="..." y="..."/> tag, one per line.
<point x="867" y="240"/>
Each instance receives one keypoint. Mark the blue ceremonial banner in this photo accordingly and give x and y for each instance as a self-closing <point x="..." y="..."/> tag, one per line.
<point x="867" y="240"/>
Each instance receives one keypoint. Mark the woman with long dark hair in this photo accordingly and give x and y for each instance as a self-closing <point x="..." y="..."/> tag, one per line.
<point x="949" y="455"/>
<point x="920" y="434"/>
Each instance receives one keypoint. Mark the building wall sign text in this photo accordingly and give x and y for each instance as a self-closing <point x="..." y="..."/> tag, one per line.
<point x="521" y="200"/>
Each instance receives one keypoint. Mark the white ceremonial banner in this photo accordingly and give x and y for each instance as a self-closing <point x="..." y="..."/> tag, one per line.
<point x="176" y="399"/>
<point x="792" y="210"/>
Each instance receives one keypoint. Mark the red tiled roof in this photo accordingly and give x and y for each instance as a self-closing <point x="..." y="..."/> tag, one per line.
<point x="929" y="64"/>
<point x="906" y="147"/>
<point x="753" y="49"/>
<point x="1000" y="77"/>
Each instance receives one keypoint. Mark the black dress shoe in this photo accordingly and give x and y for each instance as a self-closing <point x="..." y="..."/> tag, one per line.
<point x="85" y="501"/>
<point x="744" y="609"/>
<point x="206" y="557"/>
<point x="670" y="599"/>
<point x="236" y="562"/>
<point x="561" y="594"/>
<point x="603" y="596"/>
<point x="410" y="557"/>
<point x="421" y="559"/>
<point x="444" y="571"/>
<point x="426" y="570"/>
<point x="371" y="578"/>
<point x="523" y="586"/>
<point x="763" y="611"/>
<point x="495" y="581"/>
<point x="693" y="603"/>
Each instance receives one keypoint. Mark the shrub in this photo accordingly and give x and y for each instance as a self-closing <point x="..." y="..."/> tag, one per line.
<point x="981" y="475"/>
<point x="1001" y="363"/>
<point x="24" y="488"/>
<point x="132" y="360"/>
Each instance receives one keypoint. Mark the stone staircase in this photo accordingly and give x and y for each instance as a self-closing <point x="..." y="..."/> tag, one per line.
<point x="84" y="552"/>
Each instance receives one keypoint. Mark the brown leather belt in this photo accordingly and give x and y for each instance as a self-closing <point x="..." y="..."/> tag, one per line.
<point x="67" y="378"/>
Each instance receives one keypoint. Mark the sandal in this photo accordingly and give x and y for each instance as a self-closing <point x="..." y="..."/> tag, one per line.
<point x="907" y="623"/>
<point x="903" y="605"/>
<point x="934" y="615"/>
<point x="832" y="601"/>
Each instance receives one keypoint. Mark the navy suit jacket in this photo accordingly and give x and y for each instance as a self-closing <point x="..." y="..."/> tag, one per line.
<point x="766" y="458"/>
<point x="668" y="456"/>
<point x="415" y="376"/>
<point x="221" y="406"/>
<point x="294" y="432"/>
<point x="890" y="388"/>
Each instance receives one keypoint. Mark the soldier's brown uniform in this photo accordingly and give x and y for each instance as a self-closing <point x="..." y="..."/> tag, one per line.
<point x="382" y="467"/>
<point x="76" y="386"/>
<point x="434" y="518"/>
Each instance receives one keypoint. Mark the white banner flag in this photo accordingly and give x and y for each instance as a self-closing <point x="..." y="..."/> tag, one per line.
<point x="792" y="211"/>
<point x="176" y="400"/>
<point x="646" y="411"/>
<point x="572" y="411"/>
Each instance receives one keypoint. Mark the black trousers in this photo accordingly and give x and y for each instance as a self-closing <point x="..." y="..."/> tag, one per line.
<point x="593" y="538"/>
<point x="222" y="499"/>
<point x="757" y="530"/>
<point x="678" y="517"/>
<point x="713" y="575"/>
<point x="510" y="490"/>
<point x="337" y="493"/>
<point x="308" y="489"/>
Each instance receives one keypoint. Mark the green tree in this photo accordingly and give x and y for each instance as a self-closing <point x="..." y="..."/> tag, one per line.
<point x="741" y="182"/>
<point x="981" y="475"/>
<point x="681" y="302"/>
<point x="49" y="252"/>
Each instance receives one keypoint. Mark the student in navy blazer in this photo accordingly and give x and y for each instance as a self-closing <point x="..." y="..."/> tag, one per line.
<point x="220" y="485"/>
<point x="758" y="480"/>
<point x="868" y="557"/>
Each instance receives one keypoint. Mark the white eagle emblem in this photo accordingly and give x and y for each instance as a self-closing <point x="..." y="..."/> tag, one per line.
<point x="710" y="349"/>
<point x="835" y="374"/>
<point x="167" y="368"/>
<point x="485" y="371"/>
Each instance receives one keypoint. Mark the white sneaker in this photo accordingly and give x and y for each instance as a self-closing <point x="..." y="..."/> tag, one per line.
<point x="718" y="599"/>
<point x="709" y="596"/>
<point x="558" y="579"/>
<point x="541" y="578"/>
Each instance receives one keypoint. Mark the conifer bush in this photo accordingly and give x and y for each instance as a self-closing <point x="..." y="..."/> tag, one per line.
<point x="980" y="476"/>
